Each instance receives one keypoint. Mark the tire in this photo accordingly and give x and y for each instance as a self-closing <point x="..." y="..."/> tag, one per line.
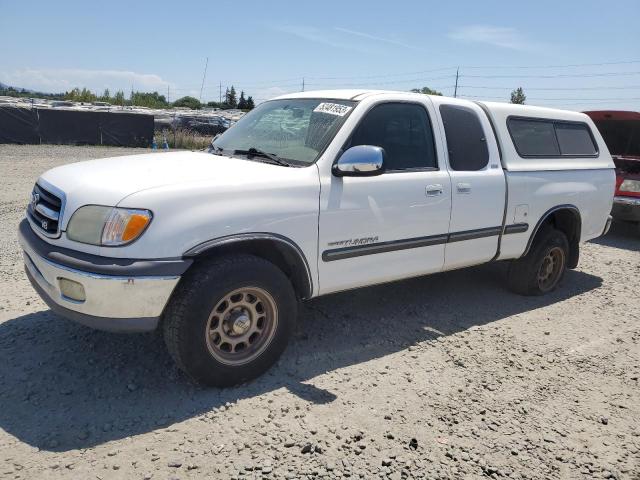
<point x="229" y="320"/>
<point x="542" y="269"/>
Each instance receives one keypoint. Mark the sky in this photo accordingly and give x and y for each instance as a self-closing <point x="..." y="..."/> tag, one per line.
<point x="570" y="54"/>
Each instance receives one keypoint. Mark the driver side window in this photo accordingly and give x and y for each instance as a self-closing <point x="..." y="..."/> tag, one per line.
<point x="404" y="131"/>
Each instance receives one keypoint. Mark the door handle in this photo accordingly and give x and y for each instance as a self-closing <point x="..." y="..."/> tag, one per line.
<point x="463" y="187"/>
<point x="434" y="190"/>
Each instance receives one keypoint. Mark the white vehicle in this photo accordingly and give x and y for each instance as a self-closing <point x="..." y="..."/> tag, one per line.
<point x="310" y="194"/>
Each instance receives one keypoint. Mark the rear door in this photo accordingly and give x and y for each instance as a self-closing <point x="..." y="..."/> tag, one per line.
<point x="477" y="183"/>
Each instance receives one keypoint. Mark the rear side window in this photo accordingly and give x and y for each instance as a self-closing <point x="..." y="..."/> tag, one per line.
<point x="466" y="140"/>
<point x="575" y="139"/>
<point x="534" y="138"/>
<point x="549" y="138"/>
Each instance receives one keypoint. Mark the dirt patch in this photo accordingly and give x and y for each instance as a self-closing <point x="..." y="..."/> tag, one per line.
<point x="448" y="376"/>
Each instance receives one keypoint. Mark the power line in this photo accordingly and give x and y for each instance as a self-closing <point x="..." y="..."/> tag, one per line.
<point x="419" y="72"/>
<point x="561" y="75"/>
<point x="398" y="81"/>
<point x="554" y="99"/>
<point x="424" y="79"/>
<point x="476" y="67"/>
<point x="391" y="82"/>
<point x="620" y="87"/>
<point x="595" y="102"/>
<point x="404" y="80"/>
<point x="386" y="75"/>
<point x="628" y="62"/>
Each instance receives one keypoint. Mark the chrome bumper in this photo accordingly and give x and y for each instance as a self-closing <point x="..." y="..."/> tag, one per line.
<point x="113" y="303"/>
<point x="634" y="201"/>
<point x="626" y="208"/>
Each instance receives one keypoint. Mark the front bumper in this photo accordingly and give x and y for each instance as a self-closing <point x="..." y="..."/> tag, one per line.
<point x="118" y="302"/>
<point x="626" y="208"/>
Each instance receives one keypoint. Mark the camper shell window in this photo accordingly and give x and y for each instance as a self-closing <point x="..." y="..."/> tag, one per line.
<point x="547" y="138"/>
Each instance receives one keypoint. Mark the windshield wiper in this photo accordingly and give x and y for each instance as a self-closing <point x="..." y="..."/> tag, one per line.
<point x="254" y="152"/>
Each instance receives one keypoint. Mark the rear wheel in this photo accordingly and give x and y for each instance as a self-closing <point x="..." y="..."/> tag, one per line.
<point x="230" y="319"/>
<point x="541" y="270"/>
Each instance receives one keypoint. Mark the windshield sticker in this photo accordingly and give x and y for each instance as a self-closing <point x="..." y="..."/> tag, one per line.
<point x="332" y="109"/>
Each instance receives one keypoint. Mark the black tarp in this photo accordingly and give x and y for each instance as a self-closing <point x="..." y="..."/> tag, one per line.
<point x="22" y="125"/>
<point x="68" y="127"/>
<point x="126" y="129"/>
<point x="18" y="125"/>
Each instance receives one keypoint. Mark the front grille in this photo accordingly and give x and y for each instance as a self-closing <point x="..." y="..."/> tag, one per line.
<point x="45" y="210"/>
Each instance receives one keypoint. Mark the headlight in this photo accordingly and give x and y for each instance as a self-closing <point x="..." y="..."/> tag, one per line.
<point x="107" y="226"/>
<point x="630" y="186"/>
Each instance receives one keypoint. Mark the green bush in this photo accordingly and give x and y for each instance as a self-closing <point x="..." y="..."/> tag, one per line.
<point x="189" y="102"/>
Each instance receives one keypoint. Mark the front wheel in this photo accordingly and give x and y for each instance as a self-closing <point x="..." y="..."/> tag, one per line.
<point x="541" y="270"/>
<point x="230" y="319"/>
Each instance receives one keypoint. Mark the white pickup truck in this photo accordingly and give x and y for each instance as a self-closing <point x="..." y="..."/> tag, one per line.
<point x="310" y="194"/>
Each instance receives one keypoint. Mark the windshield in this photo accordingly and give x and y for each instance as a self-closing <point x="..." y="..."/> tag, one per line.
<point x="295" y="130"/>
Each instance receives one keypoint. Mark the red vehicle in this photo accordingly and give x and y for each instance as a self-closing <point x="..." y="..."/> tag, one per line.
<point x="621" y="133"/>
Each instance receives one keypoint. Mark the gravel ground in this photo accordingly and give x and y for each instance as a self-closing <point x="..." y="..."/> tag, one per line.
<point x="448" y="376"/>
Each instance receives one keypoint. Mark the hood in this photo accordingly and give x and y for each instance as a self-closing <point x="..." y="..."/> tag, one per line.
<point x="108" y="181"/>
<point x="620" y="131"/>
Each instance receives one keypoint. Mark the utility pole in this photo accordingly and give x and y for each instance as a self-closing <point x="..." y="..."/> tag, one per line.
<point x="303" y="84"/>
<point x="455" y="91"/>
<point x="220" y="99"/>
<point x="206" y="64"/>
<point x="168" y="96"/>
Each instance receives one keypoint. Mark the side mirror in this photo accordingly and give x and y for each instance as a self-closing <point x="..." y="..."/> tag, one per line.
<point x="360" y="161"/>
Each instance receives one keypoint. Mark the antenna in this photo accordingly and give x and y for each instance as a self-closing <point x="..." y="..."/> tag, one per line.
<point x="206" y="64"/>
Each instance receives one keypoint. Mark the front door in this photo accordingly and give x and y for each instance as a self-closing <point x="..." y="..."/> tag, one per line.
<point x="395" y="225"/>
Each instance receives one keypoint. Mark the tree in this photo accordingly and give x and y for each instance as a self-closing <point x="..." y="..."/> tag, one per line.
<point x="77" y="95"/>
<point x="106" y="96"/>
<point x="230" y="99"/>
<point x="6" y="90"/>
<point x="72" y="95"/>
<point x="118" y="98"/>
<point x="250" y="104"/>
<point x="151" y="100"/>
<point x="87" y="96"/>
<point x="242" y="102"/>
<point x="189" y="102"/>
<point x="518" y="96"/>
<point x="426" y="91"/>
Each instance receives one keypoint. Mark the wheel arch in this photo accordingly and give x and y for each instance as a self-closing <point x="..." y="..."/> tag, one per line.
<point x="277" y="249"/>
<point x="568" y="220"/>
